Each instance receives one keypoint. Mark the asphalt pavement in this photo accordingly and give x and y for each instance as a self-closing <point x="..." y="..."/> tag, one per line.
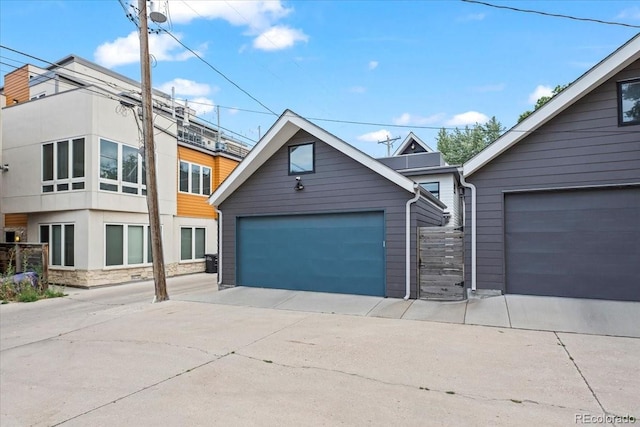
<point x="238" y="357"/>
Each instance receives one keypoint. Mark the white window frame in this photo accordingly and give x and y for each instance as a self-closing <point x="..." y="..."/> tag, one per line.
<point x="140" y="186"/>
<point x="63" y="241"/>
<point x="190" y="166"/>
<point x="193" y="244"/>
<point x="56" y="183"/>
<point x="146" y="236"/>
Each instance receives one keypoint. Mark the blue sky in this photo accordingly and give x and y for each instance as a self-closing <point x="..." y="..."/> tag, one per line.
<point x="399" y="65"/>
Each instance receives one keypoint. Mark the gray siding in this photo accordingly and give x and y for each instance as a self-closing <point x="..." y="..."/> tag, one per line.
<point x="339" y="184"/>
<point x="581" y="147"/>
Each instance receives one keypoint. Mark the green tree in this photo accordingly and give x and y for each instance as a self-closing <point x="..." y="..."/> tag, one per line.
<point x="541" y="101"/>
<point x="457" y="146"/>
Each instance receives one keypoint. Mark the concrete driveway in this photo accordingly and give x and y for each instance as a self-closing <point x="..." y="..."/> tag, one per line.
<point x="109" y="357"/>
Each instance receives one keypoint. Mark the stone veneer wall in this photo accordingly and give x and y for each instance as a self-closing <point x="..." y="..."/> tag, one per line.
<point x="93" y="278"/>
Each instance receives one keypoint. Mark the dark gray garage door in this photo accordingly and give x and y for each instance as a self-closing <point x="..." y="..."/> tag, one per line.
<point x="342" y="253"/>
<point x="582" y="243"/>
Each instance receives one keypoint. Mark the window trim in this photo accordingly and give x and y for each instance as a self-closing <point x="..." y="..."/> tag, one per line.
<point x="193" y="244"/>
<point x="621" y="121"/>
<point x="119" y="183"/>
<point x="437" y="196"/>
<point x="146" y="245"/>
<point x="313" y="158"/>
<point x="71" y="182"/>
<point x="201" y="179"/>
<point x="63" y="241"/>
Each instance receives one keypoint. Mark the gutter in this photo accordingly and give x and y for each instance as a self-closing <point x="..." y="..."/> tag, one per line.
<point x="219" y="212"/>
<point x="473" y="228"/>
<point x="407" y="278"/>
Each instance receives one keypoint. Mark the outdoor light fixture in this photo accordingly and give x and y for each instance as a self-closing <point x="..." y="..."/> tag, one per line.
<point x="4" y="168"/>
<point x="299" y="185"/>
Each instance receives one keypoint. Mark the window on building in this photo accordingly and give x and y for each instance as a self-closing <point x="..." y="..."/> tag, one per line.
<point x="127" y="245"/>
<point x="432" y="187"/>
<point x="63" y="165"/>
<point x="194" y="179"/>
<point x="629" y="102"/>
<point x="192" y="243"/>
<point x="60" y="238"/>
<point x="122" y="168"/>
<point x="301" y="159"/>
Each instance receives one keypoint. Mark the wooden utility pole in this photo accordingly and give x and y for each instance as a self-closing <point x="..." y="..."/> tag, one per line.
<point x="389" y="144"/>
<point x="150" y="159"/>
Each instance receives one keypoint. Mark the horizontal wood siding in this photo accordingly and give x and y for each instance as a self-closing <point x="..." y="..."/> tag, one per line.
<point x="16" y="85"/>
<point x="193" y="205"/>
<point x="223" y="167"/>
<point x="339" y="184"/>
<point x="583" y="146"/>
<point x="15" y="220"/>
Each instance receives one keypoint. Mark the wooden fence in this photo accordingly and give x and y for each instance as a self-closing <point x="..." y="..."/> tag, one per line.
<point x="441" y="270"/>
<point x="22" y="257"/>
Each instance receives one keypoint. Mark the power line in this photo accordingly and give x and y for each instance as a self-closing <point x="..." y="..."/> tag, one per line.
<point x="554" y="15"/>
<point x="219" y="72"/>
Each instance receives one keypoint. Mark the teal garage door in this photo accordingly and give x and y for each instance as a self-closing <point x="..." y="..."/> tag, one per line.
<point x="340" y="253"/>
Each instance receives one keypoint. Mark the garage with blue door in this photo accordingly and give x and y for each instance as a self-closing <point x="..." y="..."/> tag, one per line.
<point x="335" y="252"/>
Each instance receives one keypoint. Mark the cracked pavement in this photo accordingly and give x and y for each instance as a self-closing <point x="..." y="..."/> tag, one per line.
<point x="110" y="357"/>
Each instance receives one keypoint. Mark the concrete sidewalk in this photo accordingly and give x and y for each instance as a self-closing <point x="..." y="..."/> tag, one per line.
<point x="100" y="358"/>
<point x="598" y="317"/>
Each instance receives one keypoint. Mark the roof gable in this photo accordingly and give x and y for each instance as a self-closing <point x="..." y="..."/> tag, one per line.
<point x="608" y="67"/>
<point x="406" y="144"/>
<point x="278" y="135"/>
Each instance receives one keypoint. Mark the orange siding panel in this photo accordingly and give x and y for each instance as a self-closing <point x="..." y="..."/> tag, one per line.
<point x="15" y="220"/>
<point x="223" y="168"/>
<point x="193" y="205"/>
<point x="16" y="85"/>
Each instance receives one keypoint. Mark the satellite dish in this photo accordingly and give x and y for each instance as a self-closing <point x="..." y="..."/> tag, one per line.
<point x="158" y="11"/>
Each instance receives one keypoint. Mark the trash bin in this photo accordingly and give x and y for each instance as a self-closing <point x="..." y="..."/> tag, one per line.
<point x="211" y="263"/>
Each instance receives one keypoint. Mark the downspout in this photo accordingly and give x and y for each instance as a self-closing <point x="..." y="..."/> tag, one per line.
<point x="473" y="228"/>
<point x="219" y="212"/>
<point x="407" y="278"/>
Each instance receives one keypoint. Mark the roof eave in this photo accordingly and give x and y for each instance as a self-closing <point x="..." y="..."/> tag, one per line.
<point x="597" y="75"/>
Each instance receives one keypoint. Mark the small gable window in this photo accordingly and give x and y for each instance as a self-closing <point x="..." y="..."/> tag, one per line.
<point x="301" y="159"/>
<point x="629" y="102"/>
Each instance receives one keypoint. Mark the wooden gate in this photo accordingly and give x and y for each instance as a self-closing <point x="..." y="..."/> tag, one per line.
<point x="441" y="263"/>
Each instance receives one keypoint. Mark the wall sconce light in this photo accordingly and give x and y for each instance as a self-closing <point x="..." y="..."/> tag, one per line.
<point x="16" y="239"/>
<point x="4" y="168"/>
<point x="413" y="146"/>
<point x="299" y="185"/>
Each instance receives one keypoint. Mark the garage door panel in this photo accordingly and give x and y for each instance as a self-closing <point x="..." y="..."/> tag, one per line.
<point x="341" y="253"/>
<point x="583" y="243"/>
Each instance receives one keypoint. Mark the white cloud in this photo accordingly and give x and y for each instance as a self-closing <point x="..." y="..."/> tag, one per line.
<point x="472" y="17"/>
<point x="410" y="119"/>
<point x="278" y="38"/>
<point x="126" y="50"/>
<point x="632" y="13"/>
<point x="357" y="89"/>
<point x="539" y="92"/>
<point x="468" y="118"/>
<point x="257" y="15"/>
<point x="376" y="136"/>
<point x="201" y="105"/>
<point x="186" y="87"/>
<point x="373" y="65"/>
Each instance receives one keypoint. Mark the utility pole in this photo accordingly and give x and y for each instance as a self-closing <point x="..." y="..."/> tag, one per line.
<point x="389" y="144"/>
<point x="150" y="160"/>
